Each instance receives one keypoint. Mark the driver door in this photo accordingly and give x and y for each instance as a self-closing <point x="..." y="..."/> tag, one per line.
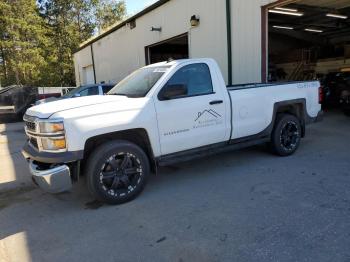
<point x="194" y="119"/>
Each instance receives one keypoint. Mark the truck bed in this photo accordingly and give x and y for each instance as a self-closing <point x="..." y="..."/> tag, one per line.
<point x="253" y="105"/>
<point x="260" y="85"/>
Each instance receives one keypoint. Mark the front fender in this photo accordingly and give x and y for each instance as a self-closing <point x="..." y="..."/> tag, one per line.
<point x="81" y="127"/>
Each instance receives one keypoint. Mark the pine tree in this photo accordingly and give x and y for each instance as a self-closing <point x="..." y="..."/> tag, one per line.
<point x="22" y="36"/>
<point x="67" y="25"/>
<point x="109" y="12"/>
<point x="70" y="23"/>
<point x="39" y="37"/>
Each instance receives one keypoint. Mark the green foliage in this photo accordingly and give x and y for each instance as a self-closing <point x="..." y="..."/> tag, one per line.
<point x="38" y="38"/>
<point x="108" y="13"/>
<point x="22" y="37"/>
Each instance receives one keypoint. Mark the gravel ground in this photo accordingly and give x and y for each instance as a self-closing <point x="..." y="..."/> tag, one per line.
<point x="246" y="205"/>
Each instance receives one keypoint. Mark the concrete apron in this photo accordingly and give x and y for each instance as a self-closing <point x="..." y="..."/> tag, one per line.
<point x="13" y="168"/>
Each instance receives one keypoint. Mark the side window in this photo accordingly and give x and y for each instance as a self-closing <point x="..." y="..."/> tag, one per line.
<point x="93" y="91"/>
<point x="106" y="89"/>
<point x="85" y="92"/>
<point x="195" y="77"/>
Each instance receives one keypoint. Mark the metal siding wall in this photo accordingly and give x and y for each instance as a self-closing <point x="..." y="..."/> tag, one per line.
<point x="246" y="44"/>
<point x="81" y="59"/>
<point x="123" y="51"/>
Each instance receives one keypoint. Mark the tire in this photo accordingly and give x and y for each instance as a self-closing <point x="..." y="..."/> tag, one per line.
<point x="117" y="172"/>
<point x="286" y="135"/>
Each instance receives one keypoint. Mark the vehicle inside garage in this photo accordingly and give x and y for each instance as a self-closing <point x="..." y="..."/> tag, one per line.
<point x="310" y="39"/>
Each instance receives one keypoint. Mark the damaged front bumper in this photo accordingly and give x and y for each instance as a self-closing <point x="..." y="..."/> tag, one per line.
<point x="56" y="179"/>
<point x="53" y="172"/>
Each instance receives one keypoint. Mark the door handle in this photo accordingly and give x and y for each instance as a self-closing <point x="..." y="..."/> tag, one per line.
<point x="216" y="102"/>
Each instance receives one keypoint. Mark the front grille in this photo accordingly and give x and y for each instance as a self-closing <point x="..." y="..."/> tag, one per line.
<point x="34" y="142"/>
<point x="30" y="122"/>
<point x="30" y="126"/>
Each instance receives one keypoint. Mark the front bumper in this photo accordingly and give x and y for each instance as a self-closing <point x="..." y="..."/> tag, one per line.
<point x="29" y="152"/>
<point x="53" y="180"/>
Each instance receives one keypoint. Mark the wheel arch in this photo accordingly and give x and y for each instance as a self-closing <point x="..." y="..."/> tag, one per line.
<point x="138" y="136"/>
<point x="293" y="107"/>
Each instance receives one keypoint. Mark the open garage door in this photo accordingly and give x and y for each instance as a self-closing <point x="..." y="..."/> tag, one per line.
<point x="309" y="40"/>
<point x="174" y="48"/>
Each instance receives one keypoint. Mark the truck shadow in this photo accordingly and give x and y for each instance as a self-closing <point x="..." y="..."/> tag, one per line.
<point x="206" y="168"/>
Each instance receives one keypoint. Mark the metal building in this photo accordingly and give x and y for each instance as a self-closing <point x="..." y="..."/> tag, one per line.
<point x="250" y="39"/>
<point x="168" y="28"/>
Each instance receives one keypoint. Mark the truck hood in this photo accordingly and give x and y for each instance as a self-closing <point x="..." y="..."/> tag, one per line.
<point x="44" y="111"/>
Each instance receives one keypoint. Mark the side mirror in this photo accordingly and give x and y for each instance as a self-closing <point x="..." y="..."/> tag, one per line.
<point x="77" y="95"/>
<point x="173" y="91"/>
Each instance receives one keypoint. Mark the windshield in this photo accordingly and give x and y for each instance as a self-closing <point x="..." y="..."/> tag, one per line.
<point x="139" y="83"/>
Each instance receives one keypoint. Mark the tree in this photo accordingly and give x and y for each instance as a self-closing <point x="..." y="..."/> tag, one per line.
<point x="108" y="12"/>
<point x="22" y="36"/>
<point x="70" y="23"/>
<point x="39" y="37"/>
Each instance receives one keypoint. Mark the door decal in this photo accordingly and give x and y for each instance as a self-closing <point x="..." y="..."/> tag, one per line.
<point x="207" y="118"/>
<point x="211" y="112"/>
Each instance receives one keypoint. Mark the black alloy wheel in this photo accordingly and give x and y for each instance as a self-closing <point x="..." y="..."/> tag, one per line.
<point x="286" y="135"/>
<point x="290" y="136"/>
<point x="120" y="174"/>
<point x="117" y="172"/>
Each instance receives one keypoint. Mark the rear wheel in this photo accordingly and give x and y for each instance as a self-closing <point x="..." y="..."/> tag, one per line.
<point x="117" y="172"/>
<point x="286" y="135"/>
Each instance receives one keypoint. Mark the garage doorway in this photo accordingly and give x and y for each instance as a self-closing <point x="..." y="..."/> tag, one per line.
<point x="310" y="40"/>
<point x="88" y="75"/>
<point x="174" y="48"/>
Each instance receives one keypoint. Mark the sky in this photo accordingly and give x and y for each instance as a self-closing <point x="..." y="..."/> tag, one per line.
<point x="134" y="6"/>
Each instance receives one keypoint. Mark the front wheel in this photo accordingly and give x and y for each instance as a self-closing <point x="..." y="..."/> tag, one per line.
<point x="286" y="135"/>
<point x="117" y="172"/>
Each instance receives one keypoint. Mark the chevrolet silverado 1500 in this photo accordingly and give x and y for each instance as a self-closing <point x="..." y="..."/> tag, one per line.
<point x="159" y="115"/>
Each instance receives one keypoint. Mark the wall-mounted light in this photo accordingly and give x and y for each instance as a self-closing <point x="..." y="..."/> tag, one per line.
<point x="156" y="29"/>
<point x="337" y="16"/>
<point x="195" y="20"/>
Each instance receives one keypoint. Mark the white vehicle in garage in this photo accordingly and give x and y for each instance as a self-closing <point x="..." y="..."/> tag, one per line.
<point x="159" y="115"/>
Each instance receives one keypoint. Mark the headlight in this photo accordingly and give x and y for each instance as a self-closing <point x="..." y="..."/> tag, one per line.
<point x="53" y="144"/>
<point x="47" y="135"/>
<point x="51" y="127"/>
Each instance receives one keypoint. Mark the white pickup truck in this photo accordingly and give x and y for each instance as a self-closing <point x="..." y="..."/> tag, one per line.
<point x="159" y="115"/>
